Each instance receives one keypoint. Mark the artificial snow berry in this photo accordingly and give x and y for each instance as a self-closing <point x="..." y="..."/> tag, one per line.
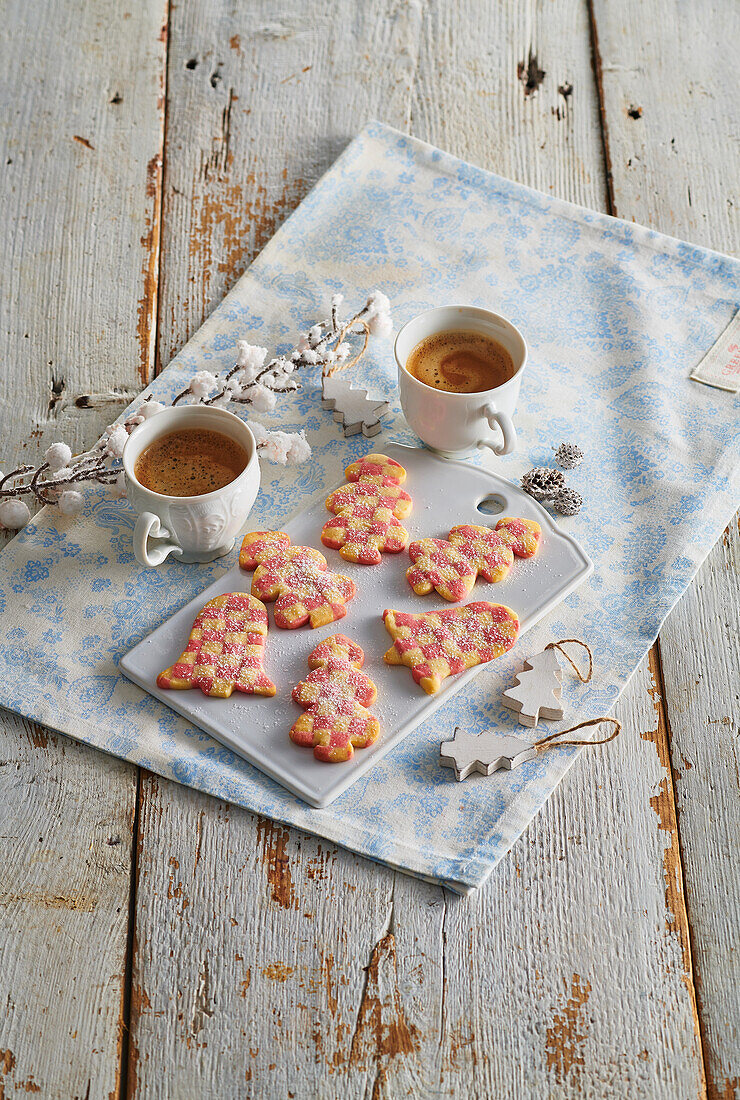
<point x="14" y="514"/>
<point x="380" y="324"/>
<point x="116" y="441"/>
<point x="261" y="399"/>
<point x="70" y="502"/>
<point x="299" y="449"/>
<point x="202" y="383"/>
<point x="378" y="302"/>
<point x="150" y="408"/>
<point x="58" y="456"/>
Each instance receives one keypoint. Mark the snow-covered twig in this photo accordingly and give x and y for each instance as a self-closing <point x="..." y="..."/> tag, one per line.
<point x="250" y="381"/>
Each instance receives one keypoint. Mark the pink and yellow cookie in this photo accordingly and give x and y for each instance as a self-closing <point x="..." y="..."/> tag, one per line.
<point x="377" y="466"/>
<point x="522" y="535"/>
<point x="336" y="648"/>
<point x="335" y="695"/>
<point x="368" y="510"/>
<point x="438" y="644"/>
<point x="225" y="650"/>
<point x="437" y="564"/>
<point x="485" y="548"/>
<point x="297" y="578"/>
<point x="451" y="566"/>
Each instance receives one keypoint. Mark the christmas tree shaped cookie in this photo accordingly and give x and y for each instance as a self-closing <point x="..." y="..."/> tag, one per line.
<point x="335" y="695"/>
<point x="437" y="644"/>
<point x="225" y="650"/>
<point x="536" y="691"/>
<point x="368" y="510"/>
<point x="297" y="578"/>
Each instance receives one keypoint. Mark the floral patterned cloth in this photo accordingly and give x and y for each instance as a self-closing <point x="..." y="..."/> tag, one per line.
<point x="616" y="317"/>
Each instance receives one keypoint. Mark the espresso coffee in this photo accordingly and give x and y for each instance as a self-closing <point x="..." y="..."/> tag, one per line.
<point x="461" y="362"/>
<point x="190" y="462"/>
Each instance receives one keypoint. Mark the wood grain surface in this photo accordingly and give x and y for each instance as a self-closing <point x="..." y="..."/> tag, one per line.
<point x="157" y="942"/>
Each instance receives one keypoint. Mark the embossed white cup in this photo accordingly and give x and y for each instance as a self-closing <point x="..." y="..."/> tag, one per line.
<point x="196" y="528"/>
<point x="454" y="425"/>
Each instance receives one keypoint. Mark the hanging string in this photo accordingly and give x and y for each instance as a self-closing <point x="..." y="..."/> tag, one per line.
<point x="576" y="641"/>
<point x="581" y="725"/>
<point x="347" y="364"/>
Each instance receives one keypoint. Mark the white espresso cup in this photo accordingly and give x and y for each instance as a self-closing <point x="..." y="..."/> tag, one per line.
<point x="456" y="424"/>
<point x="196" y="528"/>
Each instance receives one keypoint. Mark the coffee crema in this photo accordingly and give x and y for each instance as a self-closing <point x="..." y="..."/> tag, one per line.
<point x="190" y="462"/>
<point x="460" y="362"/>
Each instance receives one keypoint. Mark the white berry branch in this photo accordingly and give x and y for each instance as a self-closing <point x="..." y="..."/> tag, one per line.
<point x="250" y="381"/>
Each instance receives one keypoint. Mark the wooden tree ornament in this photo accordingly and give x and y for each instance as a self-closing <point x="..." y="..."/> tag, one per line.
<point x="537" y="688"/>
<point x="536" y="691"/>
<point x="354" y="408"/>
<point x="483" y="752"/>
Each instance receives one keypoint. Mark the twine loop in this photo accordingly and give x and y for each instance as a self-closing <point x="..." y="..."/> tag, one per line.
<point x="581" y="725"/>
<point x="348" y="363"/>
<point x="576" y="641"/>
<point x="617" y="726"/>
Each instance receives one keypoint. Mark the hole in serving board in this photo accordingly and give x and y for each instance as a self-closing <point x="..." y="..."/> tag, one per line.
<point x="492" y="505"/>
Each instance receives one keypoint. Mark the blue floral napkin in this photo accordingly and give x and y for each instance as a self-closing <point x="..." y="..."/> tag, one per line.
<point x="616" y="317"/>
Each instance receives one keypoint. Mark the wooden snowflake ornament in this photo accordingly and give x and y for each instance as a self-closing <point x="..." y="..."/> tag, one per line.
<point x="483" y="752"/>
<point x="536" y="690"/>
<point x="354" y="408"/>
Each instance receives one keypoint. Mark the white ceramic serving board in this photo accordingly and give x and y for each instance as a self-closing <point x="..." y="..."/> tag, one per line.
<point x="444" y="493"/>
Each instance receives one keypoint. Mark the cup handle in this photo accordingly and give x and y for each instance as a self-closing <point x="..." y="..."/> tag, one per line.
<point x="148" y="526"/>
<point x="508" y="431"/>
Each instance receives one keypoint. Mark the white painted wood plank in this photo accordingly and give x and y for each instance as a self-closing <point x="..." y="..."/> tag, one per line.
<point x="248" y="980"/>
<point x="262" y="99"/>
<point x="565" y="974"/>
<point x="670" y="103"/>
<point x="64" y="901"/>
<point x="272" y="961"/>
<point x="401" y="1013"/>
<point x="510" y="87"/>
<point x="701" y="669"/>
<point x="671" y="114"/>
<point x="80" y="148"/>
<point x="80" y="145"/>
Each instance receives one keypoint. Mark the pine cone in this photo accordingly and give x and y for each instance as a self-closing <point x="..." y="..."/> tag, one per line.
<point x="568" y="456"/>
<point x="568" y="502"/>
<point x="542" y="483"/>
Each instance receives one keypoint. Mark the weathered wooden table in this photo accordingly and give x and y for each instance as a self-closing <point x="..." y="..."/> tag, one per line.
<point x="155" y="942"/>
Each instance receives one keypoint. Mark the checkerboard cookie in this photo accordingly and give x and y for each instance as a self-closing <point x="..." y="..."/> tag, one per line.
<point x="522" y="535"/>
<point x="225" y="650"/>
<point x="439" y="565"/>
<point x="438" y="644"/>
<point x="297" y="578"/>
<point x="368" y="510"/>
<point x="335" y="696"/>
<point x="451" y="566"/>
